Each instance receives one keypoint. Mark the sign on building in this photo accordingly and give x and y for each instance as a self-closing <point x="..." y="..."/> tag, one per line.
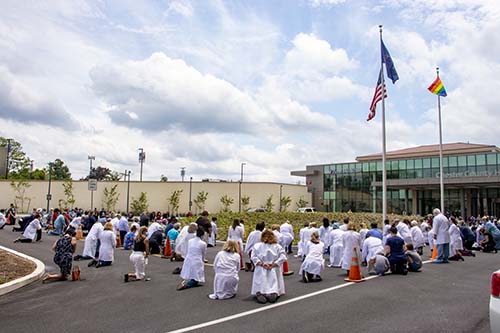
<point x="92" y="184"/>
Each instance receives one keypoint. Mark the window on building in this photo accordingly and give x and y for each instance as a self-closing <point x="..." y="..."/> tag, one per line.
<point x="480" y="159"/>
<point x="491" y="159"/>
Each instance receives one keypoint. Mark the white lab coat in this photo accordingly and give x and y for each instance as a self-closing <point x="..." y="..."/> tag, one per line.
<point x="268" y="281"/>
<point x="314" y="262"/>
<point x="324" y="233"/>
<point x="31" y="229"/>
<point x="114" y="222"/>
<point x="90" y="246"/>
<point x="155" y="226"/>
<point x="252" y="239"/>
<point x="286" y="228"/>
<point x="75" y="223"/>
<point x="226" y="268"/>
<point x="212" y="237"/>
<point x="385" y="232"/>
<point x="108" y="245"/>
<point x="417" y="237"/>
<point x="362" y="235"/>
<point x="404" y="232"/>
<point x="371" y="247"/>
<point x="455" y="240"/>
<point x="423" y="228"/>
<point x="306" y="237"/>
<point x="430" y="238"/>
<point x="137" y="225"/>
<point x="336" y="247"/>
<point x="300" y="249"/>
<point x="236" y="234"/>
<point x="193" y="267"/>
<point x="440" y="226"/>
<point x="181" y="243"/>
<point x="350" y="240"/>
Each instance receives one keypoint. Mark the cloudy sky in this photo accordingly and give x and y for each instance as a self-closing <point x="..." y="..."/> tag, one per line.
<point x="207" y="85"/>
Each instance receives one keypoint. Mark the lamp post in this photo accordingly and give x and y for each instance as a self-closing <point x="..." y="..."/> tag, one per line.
<point x="239" y="187"/>
<point x="183" y="173"/>
<point x="32" y="162"/>
<point x="49" y="196"/>
<point x="281" y="193"/>
<point x="190" y="190"/>
<point x="142" y="158"/>
<point x="8" y="159"/>
<point x="91" y="158"/>
<point x="128" y="190"/>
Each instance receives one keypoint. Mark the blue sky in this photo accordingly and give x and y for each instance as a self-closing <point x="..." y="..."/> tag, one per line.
<point x="207" y="85"/>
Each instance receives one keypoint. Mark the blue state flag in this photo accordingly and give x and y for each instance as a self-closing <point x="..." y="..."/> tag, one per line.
<point x="389" y="65"/>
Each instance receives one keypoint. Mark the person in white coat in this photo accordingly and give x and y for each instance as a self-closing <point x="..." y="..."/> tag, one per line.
<point x="253" y="239"/>
<point x="155" y="226"/>
<point x="324" y="231"/>
<point x="425" y="233"/>
<point x="300" y="247"/>
<point x="404" y="231"/>
<point x="193" y="268"/>
<point x="440" y="226"/>
<point x="287" y="228"/>
<point x="33" y="231"/>
<point x="212" y="238"/>
<point x="418" y="237"/>
<point x="306" y="236"/>
<point x="371" y="247"/>
<point x="351" y="241"/>
<point x="314" y="263"/>
<point x="268" y="256"/>
<point x="362" y="232"/>
<point x="456" y="242"/>
<point x="336" y="246"/>
<point x="108" y="246"/>
<point x="90" y="247"/>
<point x="181" y="243"/>
<point x="237" y="233"/>
<point x="385" y="231"/>
<point x="226" y="267"/>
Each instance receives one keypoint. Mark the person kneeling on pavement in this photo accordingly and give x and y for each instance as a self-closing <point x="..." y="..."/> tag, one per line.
<point x="395" y="252"/>
<point x="314" y="263"/>
<point x="193" y="268"/>
<point x="414" y="259"/>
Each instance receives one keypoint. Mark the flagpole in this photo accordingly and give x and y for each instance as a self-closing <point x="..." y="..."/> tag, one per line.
<point x="441" y="181"/>
<point x="384" y="169"/>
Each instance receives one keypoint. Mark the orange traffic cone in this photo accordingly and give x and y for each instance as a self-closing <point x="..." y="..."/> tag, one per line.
<point x="167" y="251"/>
<point x="79" y="233"/>
<point x="118" y="241"/>
<point x="286" y="271"/>
<point x="354" y="271"/>
<point x="434" y="253"/>
<point x="242" y="267"/>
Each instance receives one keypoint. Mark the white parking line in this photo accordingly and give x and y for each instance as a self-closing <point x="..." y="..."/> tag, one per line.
<point x="269" y="307"/>
<point x="265" y="308"/>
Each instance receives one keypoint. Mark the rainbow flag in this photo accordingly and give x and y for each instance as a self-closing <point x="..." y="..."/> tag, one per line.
<point x="437" y="87"/>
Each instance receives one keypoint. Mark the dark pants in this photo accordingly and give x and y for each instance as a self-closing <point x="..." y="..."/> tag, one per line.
<point x="154" y="247"/>
<point x="122" y="236"/>
<point x="25" y="240"/>
<point x="105" y="263"/>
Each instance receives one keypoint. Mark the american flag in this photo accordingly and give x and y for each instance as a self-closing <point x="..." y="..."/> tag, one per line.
<point x="377" y="97"/>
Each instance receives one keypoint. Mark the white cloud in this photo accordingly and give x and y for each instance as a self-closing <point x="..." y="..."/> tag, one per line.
<point x="319" y="3"/>
<point x="183" y="8"/>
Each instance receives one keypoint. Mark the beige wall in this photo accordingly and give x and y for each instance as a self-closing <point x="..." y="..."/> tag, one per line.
<point x="157" y="193"/>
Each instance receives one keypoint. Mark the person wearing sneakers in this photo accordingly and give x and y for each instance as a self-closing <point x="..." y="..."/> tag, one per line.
<point x="139" y="256"/>
<point x="350" y="240"/>
<point x="314" y="263"/>
<point x="226" y="267"/>
<point x="440" y="226"/>
<point x="253" y="239"/>
<point x="336" y="246"/>
<point x="193" y="268"/>
<point x="268" y="256"/>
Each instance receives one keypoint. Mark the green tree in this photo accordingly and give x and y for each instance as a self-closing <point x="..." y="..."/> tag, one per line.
<point x="19" y="162"/>
<point x="174" y="201"/>
<point x="163" y="179"/>
<point x="226" y="202"/>
<point x="140" y="204"/>
<point x="301" y="203"/>
<point x="68" y="193"/>
<point x="200" y="200"/>
<point x="245" y="202"/>
<point x="20" y="197"/>
<point x="285" y="202"/>
<point x="110" y="198"/>
<point x="269" y="205"/>
<point x="58" y="170"/>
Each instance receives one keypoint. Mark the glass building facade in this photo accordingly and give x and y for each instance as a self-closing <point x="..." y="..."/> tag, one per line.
<point x="413" y="184"/>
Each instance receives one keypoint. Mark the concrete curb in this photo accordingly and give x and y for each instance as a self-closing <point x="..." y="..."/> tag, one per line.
<point x="25" y="280"/>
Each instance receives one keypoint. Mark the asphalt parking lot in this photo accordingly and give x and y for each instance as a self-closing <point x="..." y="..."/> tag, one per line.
<point x="442" y="298"/>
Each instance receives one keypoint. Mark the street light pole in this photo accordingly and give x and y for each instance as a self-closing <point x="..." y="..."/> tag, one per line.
<point x="183" y="173"/>
<point x="49" y="196"/>
<point x="32" y="162"/>
<point x="281" y="193"/>
<point x="239" y="187"/>
<point x="142" y="157"/>
<point x="190" y="190"/>
<point x="91" y="158"/>
<point x="128" y="189"/>
<point x="8" y="159"/>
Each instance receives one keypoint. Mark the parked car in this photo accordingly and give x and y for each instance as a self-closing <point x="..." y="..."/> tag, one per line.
<point x="495" y="302"/>
<point x="306" y="210"/>
<point x="257" y="210"/>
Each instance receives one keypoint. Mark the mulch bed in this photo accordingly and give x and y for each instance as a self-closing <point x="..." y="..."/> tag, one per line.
<point x="13" y="267"/>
